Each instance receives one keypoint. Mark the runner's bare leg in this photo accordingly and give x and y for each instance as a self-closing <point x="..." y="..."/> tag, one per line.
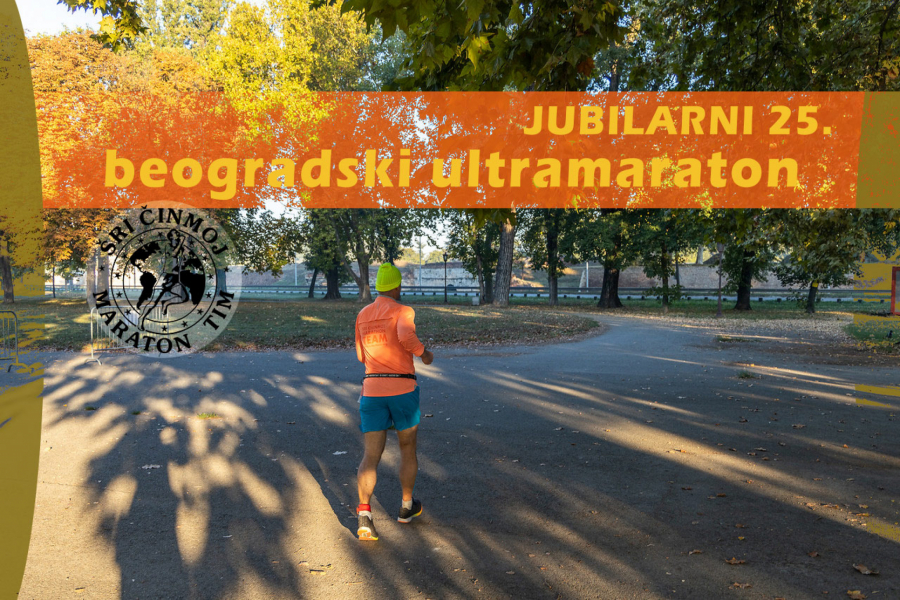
<point x="367" y="474"/>
<point x="409" y="464"/>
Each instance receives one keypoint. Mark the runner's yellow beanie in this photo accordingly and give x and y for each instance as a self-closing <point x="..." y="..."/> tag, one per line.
<point x="389" y="277"/>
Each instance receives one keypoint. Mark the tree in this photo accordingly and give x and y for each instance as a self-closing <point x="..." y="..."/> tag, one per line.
<point x="769" y="45"/>
<point x="824" y="246"/>
<point x="661" y="236"/>
<point x="69" y="237"/>
<point x="413" y="256"/>
<point x="477" y="246"/>
<point x="747" y="235"/>
<point x="264" y="242"/>
<point x="492" y="45"/>
<point x="121" y="23"/>
<point x="367" y="235"/>
<point x="548" y="239"/>
<point x="322" y="253"/>
<point x="607" y="236"/>
<point x="185" y="24"/>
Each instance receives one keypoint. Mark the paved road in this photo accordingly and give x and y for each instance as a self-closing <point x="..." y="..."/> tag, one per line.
<point x="632" y="464"/>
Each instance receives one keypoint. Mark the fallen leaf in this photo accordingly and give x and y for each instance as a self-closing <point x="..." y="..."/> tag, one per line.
<point x="741" y="538"/>
<point x="742" y="586"/>
<point x="687" y="488"/>
<point x="856" y="595"/>
<point x="740" y="526"/>
<point x="814" y="554"/>
<point x="696" y="552"/>
<point x="798" y="426"/>
<point x="720" y="495"/>
<point x="865" y="570"/>
<point x="735" y="561"/>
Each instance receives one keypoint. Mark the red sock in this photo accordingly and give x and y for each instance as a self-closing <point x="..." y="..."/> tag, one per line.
<point x="363" y="507"/>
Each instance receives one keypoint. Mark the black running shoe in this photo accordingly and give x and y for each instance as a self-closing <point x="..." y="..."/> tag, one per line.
<point x="408" y="514"/>
<point x="366" y="528"/>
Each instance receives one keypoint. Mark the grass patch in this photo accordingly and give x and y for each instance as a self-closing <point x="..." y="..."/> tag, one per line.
<point x="306" y="324"/>
<point x="319" y="324"/>
<point x="874" y="337"/>
<point x="208" y="415"/>
<point x="135" y="412"/>
<point x="90" y="408"/>
<point x="294" y="322"/>
<point x="746" y="375"/>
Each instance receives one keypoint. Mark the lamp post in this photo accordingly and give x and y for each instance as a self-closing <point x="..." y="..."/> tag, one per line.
<point x="446" y="256"/>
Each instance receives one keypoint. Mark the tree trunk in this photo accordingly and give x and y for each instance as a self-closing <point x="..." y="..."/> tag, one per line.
<point x="488" y="287"/>
<point x="479" y="273"/>
<point x="614" y="289"/>
<point x="604" y="289"/>
<point x="503" y="273"/>
<point x="365" y="292"/>
<point x="609" y="293"/>
<point x="90" y="273"/>
<point x="665" y="296"/>
<point x="221" y="281"/>
<point x="333" y="283"/>
<point x="665" y="279"/>
<point x="53" y="278"/>
<point x="6" y="279"/>
<point x="553" y="253"/>
<point x="746" y="282"/>
<point x="811" y="299"/>
<point x="104" y="277"/>
<point x="312" y="283"/>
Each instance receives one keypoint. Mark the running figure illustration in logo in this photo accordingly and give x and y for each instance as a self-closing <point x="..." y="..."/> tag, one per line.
<point x="179" y="285"/>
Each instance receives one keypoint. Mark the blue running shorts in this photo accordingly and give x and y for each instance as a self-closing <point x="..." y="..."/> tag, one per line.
<point x="380" y="413"/>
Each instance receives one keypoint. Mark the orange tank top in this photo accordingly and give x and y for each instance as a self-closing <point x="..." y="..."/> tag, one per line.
<point x="386" y="343"/>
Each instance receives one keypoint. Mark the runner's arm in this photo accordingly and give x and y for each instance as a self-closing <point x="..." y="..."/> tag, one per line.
<point x="359" y="349"/>
<point x="406" y="332"/>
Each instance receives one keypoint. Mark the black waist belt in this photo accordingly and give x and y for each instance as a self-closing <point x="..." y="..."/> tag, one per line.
<point x="400" y="375"/>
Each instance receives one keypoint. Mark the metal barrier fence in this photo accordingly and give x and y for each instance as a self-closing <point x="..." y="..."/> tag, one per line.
<point x="9" y="339"/>
<point x="103" y="339"/>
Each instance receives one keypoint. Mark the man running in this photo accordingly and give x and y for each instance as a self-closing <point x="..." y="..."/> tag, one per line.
<point x="386" y="342"/>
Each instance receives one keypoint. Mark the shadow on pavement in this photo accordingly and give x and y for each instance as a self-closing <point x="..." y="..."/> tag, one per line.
<point x="609" y="468"/>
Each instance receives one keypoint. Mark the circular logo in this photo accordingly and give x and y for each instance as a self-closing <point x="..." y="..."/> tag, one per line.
<point x="161" y="282"/>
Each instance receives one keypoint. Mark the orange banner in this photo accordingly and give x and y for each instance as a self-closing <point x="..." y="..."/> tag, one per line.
<point x="454" y="149"/>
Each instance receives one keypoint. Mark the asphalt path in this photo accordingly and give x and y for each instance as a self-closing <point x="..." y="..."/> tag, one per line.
<point x="631" y="464"/>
